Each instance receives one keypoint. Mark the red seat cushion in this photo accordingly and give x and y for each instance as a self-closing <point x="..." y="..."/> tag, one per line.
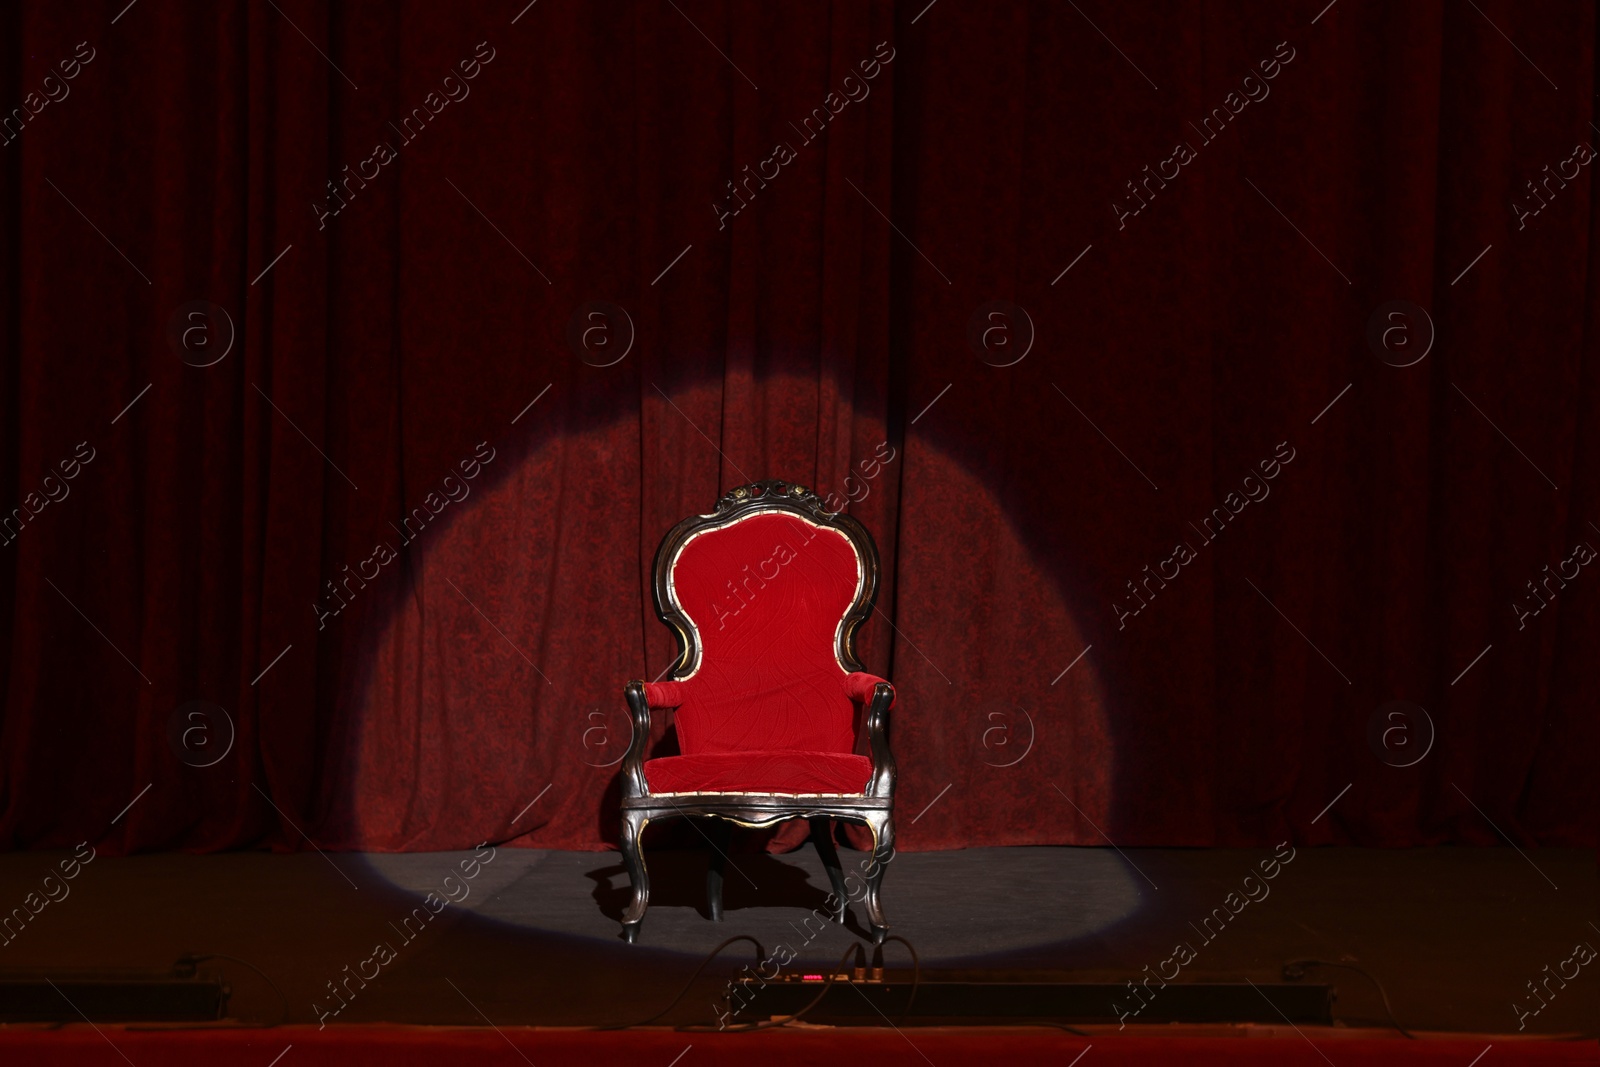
<point x="759" y="772"/>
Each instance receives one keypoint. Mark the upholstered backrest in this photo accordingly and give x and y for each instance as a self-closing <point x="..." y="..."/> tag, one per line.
<point x="768" y="599"/>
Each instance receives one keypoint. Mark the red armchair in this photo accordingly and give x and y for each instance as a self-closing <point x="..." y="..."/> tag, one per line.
<point x="765" y="595"/>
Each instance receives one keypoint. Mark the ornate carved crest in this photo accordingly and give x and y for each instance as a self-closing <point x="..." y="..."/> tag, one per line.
<point x="798" y="496"/>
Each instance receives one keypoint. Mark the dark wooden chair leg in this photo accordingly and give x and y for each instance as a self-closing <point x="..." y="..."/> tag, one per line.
<point x="720" y="834"/>
<point x="882" y="825"/>
<point x="822" y="837"/>
<point x="633" y="824"/>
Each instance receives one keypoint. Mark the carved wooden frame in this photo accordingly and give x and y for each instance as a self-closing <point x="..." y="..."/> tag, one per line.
<point x="874" y="806"/>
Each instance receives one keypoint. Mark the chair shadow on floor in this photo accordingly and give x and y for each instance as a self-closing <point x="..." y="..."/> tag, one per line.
<point x="751" y="880"/>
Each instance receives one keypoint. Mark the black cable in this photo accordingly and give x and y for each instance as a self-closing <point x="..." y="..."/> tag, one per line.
<point x="1294" y="969"/>
<point x="772" y="1024"/>
<point x="916" y="968"/>
<point x="855" y="949"/>
<point x="916" y="981"/>
<point x="761" y="955"/>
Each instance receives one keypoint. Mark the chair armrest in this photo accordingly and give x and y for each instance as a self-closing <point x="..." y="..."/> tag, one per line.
<point x="878" y="696"/>
<point x="665" y="695"/>
<point x="862" y="687"/>
<point x="642" y="697"/>
<point x="633" y="783"/>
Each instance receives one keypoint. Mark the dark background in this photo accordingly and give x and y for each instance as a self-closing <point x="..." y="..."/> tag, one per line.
<point x="471" y="690"/>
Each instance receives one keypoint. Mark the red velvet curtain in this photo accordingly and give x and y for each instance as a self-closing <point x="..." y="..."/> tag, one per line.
<point x="1212" y="378"/>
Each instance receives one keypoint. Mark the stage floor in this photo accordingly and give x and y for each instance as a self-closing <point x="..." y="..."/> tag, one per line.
<point x="1454" y="935"/>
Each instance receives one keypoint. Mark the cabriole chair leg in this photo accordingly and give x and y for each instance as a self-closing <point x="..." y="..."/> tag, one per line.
<point x="633" y="824"/>
<point x="822" y="837"/>
<point x="882" y="826"/>
<point x="720" y="835"/>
